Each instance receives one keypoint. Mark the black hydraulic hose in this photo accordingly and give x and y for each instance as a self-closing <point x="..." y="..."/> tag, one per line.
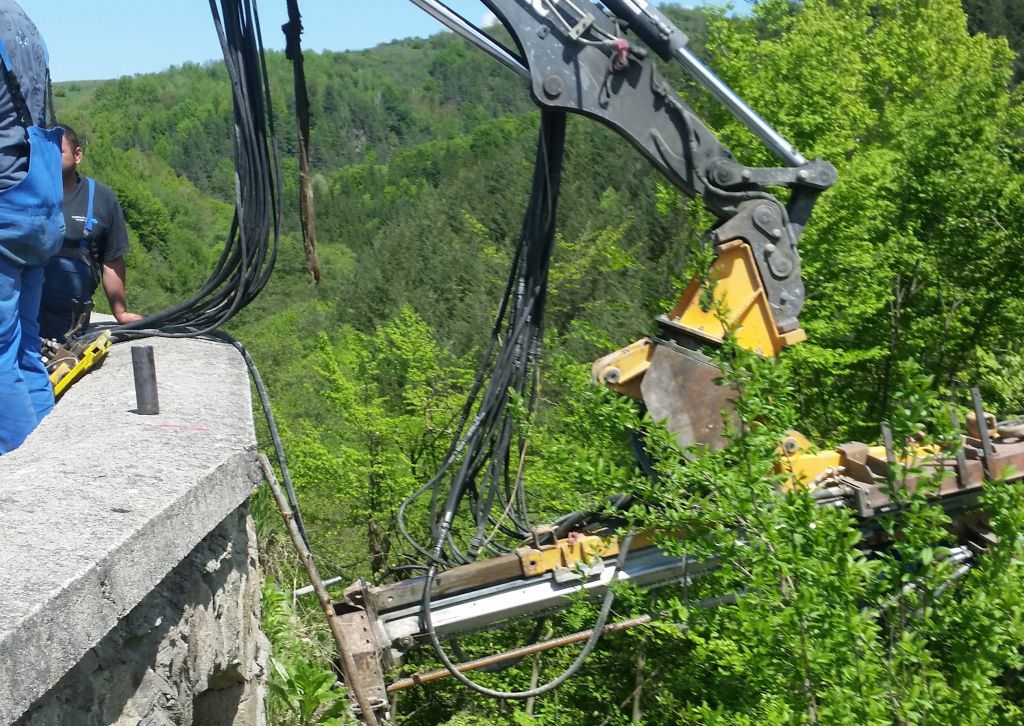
<point x="486" y="444"/>
<point x="275" y="436"/>
<point x="574" y="667"/>
<point x="534" y="638"/>
<point x="247" y="260"/>
<point x="482" y="451"/>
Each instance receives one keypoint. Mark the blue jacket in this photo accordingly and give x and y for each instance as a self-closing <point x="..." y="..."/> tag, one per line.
<point x="31" y="223"/>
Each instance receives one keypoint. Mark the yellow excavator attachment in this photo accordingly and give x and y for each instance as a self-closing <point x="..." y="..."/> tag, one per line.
<point x="677" y="383"/>
<point x="738" y="303"/>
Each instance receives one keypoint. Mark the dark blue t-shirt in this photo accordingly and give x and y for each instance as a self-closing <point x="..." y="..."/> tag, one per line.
<point x="68" y="284"/>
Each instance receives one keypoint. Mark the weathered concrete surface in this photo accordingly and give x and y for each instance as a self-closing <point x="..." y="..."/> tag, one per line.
<point x="190" y="653"/>
<point x="100" y="504"/>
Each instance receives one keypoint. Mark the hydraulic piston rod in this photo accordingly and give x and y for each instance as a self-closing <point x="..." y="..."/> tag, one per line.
<point x="738" y="107"/>
<point x="668" y="41"/>
<point x="462" y="27"/>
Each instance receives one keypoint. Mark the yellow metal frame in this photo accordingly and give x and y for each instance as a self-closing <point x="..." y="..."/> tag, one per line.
<point x="623" y="370"/>
<point x="806" y="467"/>
<point x="65" y="374"/>
<point x="738" y="303"/>
<point x="567" y="553"/>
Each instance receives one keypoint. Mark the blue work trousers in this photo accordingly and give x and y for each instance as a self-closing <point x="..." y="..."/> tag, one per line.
<point x="26" y="395"/>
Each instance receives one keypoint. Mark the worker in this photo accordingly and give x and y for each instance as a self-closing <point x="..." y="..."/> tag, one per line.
<point x="31" y="224"/>
<point x="95" y="243"/>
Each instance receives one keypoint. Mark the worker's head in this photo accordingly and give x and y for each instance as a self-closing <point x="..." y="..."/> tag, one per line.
<point x="71" y="150"/>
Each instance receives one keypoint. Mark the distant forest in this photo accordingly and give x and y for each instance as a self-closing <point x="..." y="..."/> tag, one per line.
<point x="423" y="154"/>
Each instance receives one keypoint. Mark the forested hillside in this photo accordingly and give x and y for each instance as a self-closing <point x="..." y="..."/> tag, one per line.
<point x="423" y="155"/>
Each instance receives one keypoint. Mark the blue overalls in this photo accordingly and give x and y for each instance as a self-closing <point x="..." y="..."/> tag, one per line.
<point x="31" y="230"/>
<point x="71" y="277"/>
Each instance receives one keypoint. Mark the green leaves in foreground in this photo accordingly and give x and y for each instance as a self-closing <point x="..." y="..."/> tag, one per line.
<point x="824" y="630"/>
<point x="303" y="688"/>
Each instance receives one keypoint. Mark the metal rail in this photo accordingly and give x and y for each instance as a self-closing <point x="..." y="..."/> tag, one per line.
<point x="462" y="27"/>
<point x="474" y="610"/>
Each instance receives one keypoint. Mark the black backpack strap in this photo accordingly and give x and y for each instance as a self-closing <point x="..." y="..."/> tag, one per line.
<point x="50" y="111"/>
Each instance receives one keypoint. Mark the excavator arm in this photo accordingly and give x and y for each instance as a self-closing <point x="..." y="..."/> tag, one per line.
<point x="755" y="281"/>
<point x="581" y="59"/>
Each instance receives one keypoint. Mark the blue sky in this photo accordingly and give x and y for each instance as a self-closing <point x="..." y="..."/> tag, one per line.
<point x="110" y="38"/>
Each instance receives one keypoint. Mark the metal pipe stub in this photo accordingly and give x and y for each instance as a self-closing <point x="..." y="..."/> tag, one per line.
<point x="147" y="403"/>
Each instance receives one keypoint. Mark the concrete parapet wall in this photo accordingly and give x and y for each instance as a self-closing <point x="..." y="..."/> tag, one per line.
<point x="109" y="523"/>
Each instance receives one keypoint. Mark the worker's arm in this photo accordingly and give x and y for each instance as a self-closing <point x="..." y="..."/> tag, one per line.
<point x="113" y="278"/>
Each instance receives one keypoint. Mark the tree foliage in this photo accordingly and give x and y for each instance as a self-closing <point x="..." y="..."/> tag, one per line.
<point x="909" y="256"/>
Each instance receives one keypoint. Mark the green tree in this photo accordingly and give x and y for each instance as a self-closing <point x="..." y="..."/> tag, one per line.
<point x="906" y="257"/>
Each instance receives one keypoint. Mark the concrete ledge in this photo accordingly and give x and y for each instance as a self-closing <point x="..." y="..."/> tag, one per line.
<point x="100" y="504"/>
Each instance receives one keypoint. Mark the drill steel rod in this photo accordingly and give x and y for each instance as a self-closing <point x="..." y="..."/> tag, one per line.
<point x="462" y="27"/>
<point x="527" y="650"/>
<point x="147" y="400"/>
<point x="348" y="664"/>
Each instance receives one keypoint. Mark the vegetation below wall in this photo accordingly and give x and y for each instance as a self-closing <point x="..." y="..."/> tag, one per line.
<point x="423" y="157"/>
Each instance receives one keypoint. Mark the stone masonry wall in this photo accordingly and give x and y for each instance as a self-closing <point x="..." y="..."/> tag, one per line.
<point x="190" y="653"/>
<point x="129" y="584"/>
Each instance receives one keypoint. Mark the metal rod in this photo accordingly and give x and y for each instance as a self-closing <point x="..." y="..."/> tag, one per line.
<point x="348" y="663"/>
<point x="147" y="402"/>
<point x="462" y="27"/>
<point x="986" y="442"/>
<point x="890" y="454"/>
<point x="831" y="492"/>
<point x="961" y="457"/>
<point x="309" y="589"/>
<point x="739" y="108"/>
<point x="516" y="654"/>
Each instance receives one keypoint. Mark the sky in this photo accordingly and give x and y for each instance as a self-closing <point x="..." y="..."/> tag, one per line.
<point x="100" y="39"/>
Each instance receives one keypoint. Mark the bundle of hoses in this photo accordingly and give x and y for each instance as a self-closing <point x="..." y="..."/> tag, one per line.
<point x="483" y="463"/>
<point x="250" y="251"/>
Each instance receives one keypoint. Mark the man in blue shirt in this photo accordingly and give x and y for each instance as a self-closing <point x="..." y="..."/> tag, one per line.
<point x="31" y="223"/>
<point x="95" y="243"/>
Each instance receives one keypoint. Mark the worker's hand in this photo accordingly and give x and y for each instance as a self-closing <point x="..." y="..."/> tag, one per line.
<point x="127" y="317"/>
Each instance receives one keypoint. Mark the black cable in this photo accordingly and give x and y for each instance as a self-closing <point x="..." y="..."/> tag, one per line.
<point x="477" y="467"/>
<point x="249" y="255"/>
<point x="574" y="667"/>
<point x="275" y="436"/>
<point x="250" y="252"/>
<point x="538" y="630"/>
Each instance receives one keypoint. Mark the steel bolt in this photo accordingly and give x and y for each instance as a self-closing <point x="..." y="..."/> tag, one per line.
<point x="553" y="86"/>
